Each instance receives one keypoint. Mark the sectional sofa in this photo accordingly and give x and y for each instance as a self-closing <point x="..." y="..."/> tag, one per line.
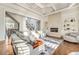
<point x="71" y="37"/>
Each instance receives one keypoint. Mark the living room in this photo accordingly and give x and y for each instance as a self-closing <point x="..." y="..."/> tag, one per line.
<point x="39" y="29"/>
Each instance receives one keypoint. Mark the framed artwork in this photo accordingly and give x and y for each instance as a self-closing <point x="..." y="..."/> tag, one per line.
<point x="10" y="25"/>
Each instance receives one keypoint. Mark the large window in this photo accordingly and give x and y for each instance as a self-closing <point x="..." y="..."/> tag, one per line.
<point x="32" y="24"/>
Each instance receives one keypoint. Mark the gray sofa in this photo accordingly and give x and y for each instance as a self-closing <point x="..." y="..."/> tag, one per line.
<point x="23" y="46"/>
<point x="20" y="46"/>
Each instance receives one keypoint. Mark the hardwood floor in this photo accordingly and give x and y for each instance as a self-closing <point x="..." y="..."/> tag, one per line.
<point x="66" y="48"/>
<point x="2" y="48"/>
<point x="6" y="48"/>
<point x="10" y="49"/>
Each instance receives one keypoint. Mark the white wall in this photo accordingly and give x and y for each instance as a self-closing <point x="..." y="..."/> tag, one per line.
<point x="68" y="14"/>
<point x="24" y="12"/>
<point x="20" y="11"/>
<point x="2" y="24"/>
<point x="9" y="20"/>
<point x="19" y="19"/>
<point x="22" y="22"/>
<point x="43" y="26"/>
<point x="56" y="20"/>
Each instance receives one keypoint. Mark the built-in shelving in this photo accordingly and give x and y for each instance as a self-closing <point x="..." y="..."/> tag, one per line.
<point x="70" y="24"/>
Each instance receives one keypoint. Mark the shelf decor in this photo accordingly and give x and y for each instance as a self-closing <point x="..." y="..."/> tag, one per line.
<point x="70" y="24"/>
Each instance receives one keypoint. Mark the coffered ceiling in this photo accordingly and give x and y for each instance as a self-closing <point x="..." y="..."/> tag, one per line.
<point x="43" y="8"/>
<point x="48" y="8"/>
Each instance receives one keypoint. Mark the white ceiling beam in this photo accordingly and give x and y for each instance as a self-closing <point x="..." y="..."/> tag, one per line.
<point x="71" y="5"/>
<point x="40" y="5"/>
<point x="53" y="7"/>
<point x="26" y="7"/>
<point x="61" y="10"/>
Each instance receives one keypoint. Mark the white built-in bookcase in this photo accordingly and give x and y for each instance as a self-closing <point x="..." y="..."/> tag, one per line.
<point x="70" y="24"/>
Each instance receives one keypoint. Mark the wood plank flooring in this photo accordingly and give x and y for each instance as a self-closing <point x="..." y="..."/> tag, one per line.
<point x="6" y="48"/>
<point x="2" y="48"/>
<point x="10" y="48"/>
<point x="66" y="48"/>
